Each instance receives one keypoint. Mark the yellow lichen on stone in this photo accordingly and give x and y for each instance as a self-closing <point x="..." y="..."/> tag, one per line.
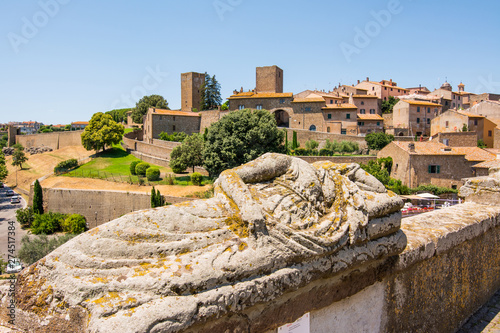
<point x="242" y="246"/>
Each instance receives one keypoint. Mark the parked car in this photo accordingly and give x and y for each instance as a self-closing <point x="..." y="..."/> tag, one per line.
<point x="14" y="266"/>
<point x="9" y="193"/>
<point x="15" y="200"/>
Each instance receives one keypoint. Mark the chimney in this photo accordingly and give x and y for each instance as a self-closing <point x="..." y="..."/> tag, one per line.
<point x="351" y="99"/>
<point x="411" y="146"/>
<point x="241" y="90"/>
<point x="367" y="79"/>
<point x="390" y="80"/>
<point x="358" y="81"/>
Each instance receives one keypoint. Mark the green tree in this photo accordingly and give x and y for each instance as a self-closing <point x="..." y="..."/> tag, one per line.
<point x="3" y="168"/>
<point x="388" y="105"/>
<point x="295" y="144"/>
<point x="210" y="93"/>
<point x="18" y="158"/>
<point x="380" y="169"/>
<point x="25" y="216"/>
<point x="311" y="144"/>
<point x="34" y="248"/>
<point x="189" y="153"/>
<point x="481" y="144"/>
<point x="156" y="198"/>
<point x="225" y="106"/>
<point x="153" y="198"/>
<point x="101" y="131"/>
<point x="74" y="224"/>
<point x="465" y="128"/>
<point x="119" y="115"/>
<point x="3" y="141"/>
<point x="37" y="198"/>
<point x="377" y="141"/>
<point x="142" y="107"/>
<point x="240" y="137"/>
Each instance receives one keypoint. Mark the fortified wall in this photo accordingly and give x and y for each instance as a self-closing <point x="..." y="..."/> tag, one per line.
<point x="54" y="140"/>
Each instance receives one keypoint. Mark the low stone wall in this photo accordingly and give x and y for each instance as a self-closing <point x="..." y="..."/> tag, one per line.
<point x="305" y="135"/>
<point x="154" y="150"/>
<point x="54" y="140"/>
<point x="339" y="159"/>
<point x="97" y="206"/>
<point x="449" y="268"/>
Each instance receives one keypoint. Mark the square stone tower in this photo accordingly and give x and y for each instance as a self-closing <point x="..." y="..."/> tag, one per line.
<point x="191" y="90"/>
<point x="269" y="79"/>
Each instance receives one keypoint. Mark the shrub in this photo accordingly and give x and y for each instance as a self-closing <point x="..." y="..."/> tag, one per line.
<point x="25" y="216"/>
<point x="325" y="152"/>
<point x="153" y="174"/>
<point x="74" y="224"/>
<point x="311" y="144"/>
<point x="35" y="248"/>
<point x="140" y="169"/>
<point x="66" y="165"/>
<point x="196" y="178"/>
<point x="132" y="167"/>
<point x="47" y="223"/>
<point x="170" y="179"/>
<point x="300" y="152"/>
<point x="177" y="164"/>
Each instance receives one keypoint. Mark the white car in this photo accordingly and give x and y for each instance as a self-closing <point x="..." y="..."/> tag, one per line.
<point x="14" y="266"/>
<point x="15" y="200"/>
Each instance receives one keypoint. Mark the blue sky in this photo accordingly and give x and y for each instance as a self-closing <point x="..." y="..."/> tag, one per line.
<point x="63" y="60"/>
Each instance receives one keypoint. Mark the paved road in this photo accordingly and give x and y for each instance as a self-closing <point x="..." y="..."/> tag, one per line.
<point x="8" y="213"/>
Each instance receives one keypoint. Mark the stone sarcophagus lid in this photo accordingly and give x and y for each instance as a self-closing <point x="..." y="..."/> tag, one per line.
<point x="274" y="225"/>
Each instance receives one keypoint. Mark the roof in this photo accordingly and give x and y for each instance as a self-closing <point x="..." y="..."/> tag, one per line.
<point x="495" y="121"/>
<point x="386" y="85"/>
<point x="339" y="106"/>
<point x="422" y="103"/>
<point x="80" y="123"/>
<point x="470" y="115"/>
<point x="176" y="113"/>
<point x="488" y="164"/>
<point x="309" y="100"/>
<point x="364" y="96"/>
<point x="437" y="148"/>
<point x="370" y="117"/>
<point x="260" y="95"/>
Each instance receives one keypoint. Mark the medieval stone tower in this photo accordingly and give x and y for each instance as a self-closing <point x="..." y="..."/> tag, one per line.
<point x="191" y="90"/>
<point x="269" y="79"/>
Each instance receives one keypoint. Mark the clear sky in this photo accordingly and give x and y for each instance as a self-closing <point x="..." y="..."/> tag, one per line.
<point x="63" y="60"/>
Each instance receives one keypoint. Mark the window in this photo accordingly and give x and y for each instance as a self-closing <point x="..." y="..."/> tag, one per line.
<point x="453" y="104"/>
<point x="475" y="122"/>
<point x="362" y="103"/>
<point x="282" y="100"/>
<point x="490" y="133"/>
<point x="428" y="110"/>
<point x="446" y="103"/>
<point x="418" y="120"/>
<point x="446" y="142"/>
<point x="418" y="108"/>
<point x="362" y="111"/>
<point x="174" y="118"/>
<point x="399" y="90"/>
<point x="331" y="101"/>
<point x="241" y="107"/>
<point x="173" y="128"/>
<point x="391" y="89"/>
<point x="447" y="124"/>
<point x="454" y="187"/>
<point x="396" y="168"/>
<point x="312" y="128"/>
<point x="348" y="116"/>
<point x="428" y="121"/>
<point x="343" y="132"/>
<point x="328" y="129"/>
<point x="385" y="88"/>
<point x="329" y="116"/>
<point x="372" y="111"/>
<point x="258" y="106"/>
<point x="373" y="88"/>
<point x="308" y="109"/>
<point x="378" y="123"/>
<point x="361" y="123"/>
<point x="434" y="168"/>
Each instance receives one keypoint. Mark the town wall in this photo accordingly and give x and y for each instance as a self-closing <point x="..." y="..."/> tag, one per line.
<point x="97" y="206"/>
<point x="54" y="140"/>
<point x="446" y="273"/>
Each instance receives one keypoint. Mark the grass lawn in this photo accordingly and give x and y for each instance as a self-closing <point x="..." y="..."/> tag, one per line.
<point x="114" y="165"/>
<point x="128" y="130"/>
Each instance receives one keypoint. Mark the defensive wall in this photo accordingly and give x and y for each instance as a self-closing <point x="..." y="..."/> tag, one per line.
<point x="97" y="206"/>
<point x="448" y="270"/>
<point x="54" y="140"/>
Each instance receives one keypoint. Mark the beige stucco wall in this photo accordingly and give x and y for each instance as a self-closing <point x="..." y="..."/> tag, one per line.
<point x="54" y="140"/>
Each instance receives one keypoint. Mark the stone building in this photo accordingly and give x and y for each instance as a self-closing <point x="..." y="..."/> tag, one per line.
<point x="269" y="79"/>
<point x="475" y="99"/>
<point x="418" y="90"/>
<point x="158" y="120"/>
<point x="413" y="117"/>
<point x="79" y="125"/>
<point x="370" y="123"/>
<point x="450" y="99"/>
<point x="454" y="121"/>
<point x="420" y="163"/>
<point x="191" y="84"/>
<point x="383" y="89"/>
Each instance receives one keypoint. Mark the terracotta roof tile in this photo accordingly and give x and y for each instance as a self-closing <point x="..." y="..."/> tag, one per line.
<point x="470" y="115"/>
<point x="488" y="164"/>
<point x="177" y="113"/>
<point x="370" y="117"/>
<point x="420" y="103"/>
<point x="260" y="95"/>
<point x="339" y="106"/>
<point x="364" y="96"/>
<point x="309" y="100"/>
<point x="437" y="148"/>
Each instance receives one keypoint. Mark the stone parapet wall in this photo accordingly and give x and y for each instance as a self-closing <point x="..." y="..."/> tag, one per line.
<point x="339" y="159"/>
<point x="305" y="135"/>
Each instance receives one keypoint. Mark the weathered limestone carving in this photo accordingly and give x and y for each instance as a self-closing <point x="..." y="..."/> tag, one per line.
<point x="274" y="225"/>
<point x="483" y="190"/>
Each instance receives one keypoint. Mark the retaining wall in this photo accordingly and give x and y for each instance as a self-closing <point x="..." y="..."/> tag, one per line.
<point x="339" y="159"/>
<point x="305" y="135"/>
<point x="97" y="206"/>
<point x="54" y="140"/>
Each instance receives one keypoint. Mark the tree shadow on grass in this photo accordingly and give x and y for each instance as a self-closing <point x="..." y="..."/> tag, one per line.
<point x="112" y="153"/>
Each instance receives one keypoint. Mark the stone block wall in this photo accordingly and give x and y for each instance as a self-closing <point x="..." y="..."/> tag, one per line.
<point x="305" y="135"/>
<point x="339" y="159"/>
<point x="54" y="140"/>
<point x="459" y="139"/>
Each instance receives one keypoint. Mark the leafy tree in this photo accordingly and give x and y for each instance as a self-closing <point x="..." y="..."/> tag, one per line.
<point x="397" y="187"/>
<point x="177" y="163"/>
<point x="380" y="169"/>
<point x="101" y="131"/>
<point x="481" y="144"/>
<point x="18" y="146"/>
<point x="436" y="190"/>
<point x="189" y="153"/>
<point x="240" y="137"/>
<point x="377" y="141"/>
<point x="25" y="216"/>
<point x="3" y="168"/>
<point x="47" y="223"/>
<point x="141" y="107"/>
<point x="3" y="141"/>
<point x="18" y="158"/>
<point x="74" y="224"/>
<point x="37" y="198"/>
<point x="119" y="115"/>
<point x="141" y="168"/>
<point x="35" y="248"/>
<point x="387" y="106"/>
<point x="225" y="106"/>
<point x="311" y="144"/>
<point x="210" y="93"/>
<point x="175" y="137"/>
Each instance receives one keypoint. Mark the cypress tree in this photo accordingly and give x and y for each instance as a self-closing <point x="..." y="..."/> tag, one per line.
<point x="159" y="199"/>
<point x="294" y="141"/>
<point x="153" y="198"/>
<point x="286" y="141"/>
<point x="37" y="198"/>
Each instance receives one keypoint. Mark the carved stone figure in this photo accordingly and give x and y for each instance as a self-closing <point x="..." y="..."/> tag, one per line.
<point x="273" y="225"/>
